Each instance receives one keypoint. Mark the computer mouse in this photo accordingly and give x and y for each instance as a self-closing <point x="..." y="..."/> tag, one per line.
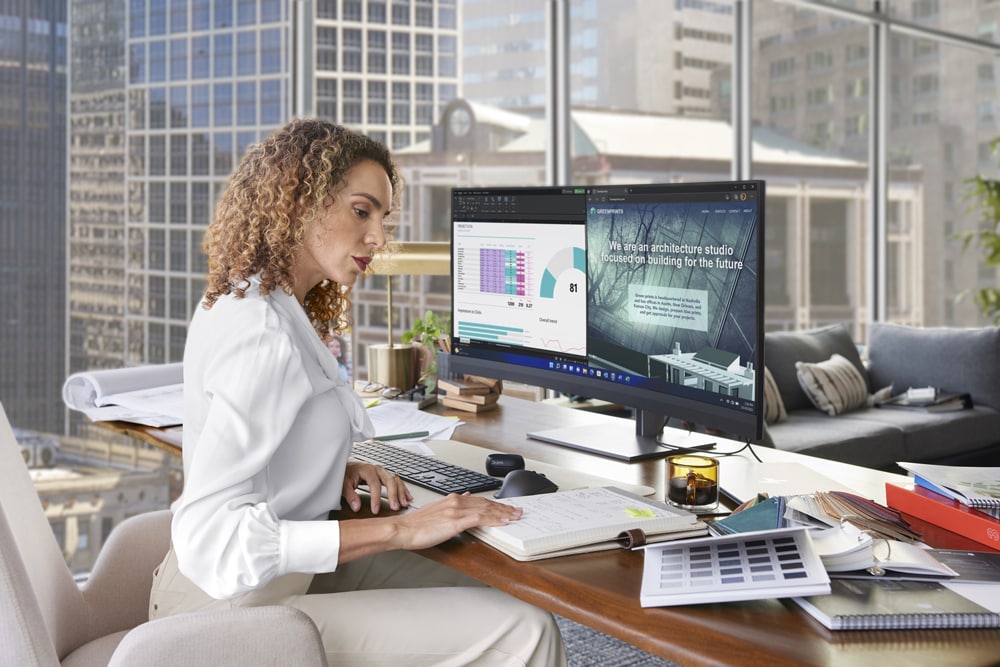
<point x="525" y="483"/>
<point x="498" y="465"/>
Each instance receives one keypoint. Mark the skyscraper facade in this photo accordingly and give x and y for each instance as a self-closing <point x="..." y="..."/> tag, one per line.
<point x="165" y="98"/>
<point x="32" y="210"/>
<point x="812" y="82"/>
<point x="635" y="55"/>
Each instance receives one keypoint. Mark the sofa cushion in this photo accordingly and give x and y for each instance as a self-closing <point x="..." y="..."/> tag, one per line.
<point x="834" y="386"/>
<point x="783" y="348"/>
<point x="774" y="407"/>
<point x="843" y="438"/>
<point x="935" y="435"/>
<point x="953" y="359"/>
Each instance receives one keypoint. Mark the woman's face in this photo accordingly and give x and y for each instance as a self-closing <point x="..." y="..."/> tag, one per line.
<point x="340" y="239"/>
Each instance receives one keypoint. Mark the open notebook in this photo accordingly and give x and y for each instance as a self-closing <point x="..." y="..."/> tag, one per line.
<point x="581" y="520"/>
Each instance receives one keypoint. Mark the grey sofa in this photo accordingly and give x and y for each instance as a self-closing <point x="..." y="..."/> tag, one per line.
<point x="961" y="360"/>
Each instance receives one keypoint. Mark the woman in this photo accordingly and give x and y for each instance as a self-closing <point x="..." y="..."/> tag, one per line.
<point x="269" y="424"/>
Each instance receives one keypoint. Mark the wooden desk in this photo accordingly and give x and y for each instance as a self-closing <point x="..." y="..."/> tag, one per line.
<point x="601" y="590"/>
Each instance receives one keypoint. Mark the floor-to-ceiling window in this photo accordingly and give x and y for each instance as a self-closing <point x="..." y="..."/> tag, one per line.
<point x="867" y="118"/>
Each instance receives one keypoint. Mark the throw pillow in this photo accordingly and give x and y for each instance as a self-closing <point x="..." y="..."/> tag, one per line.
<point x="774" y="407"/>
<point x="834" y="386"/>
<point x="783" y="348"/>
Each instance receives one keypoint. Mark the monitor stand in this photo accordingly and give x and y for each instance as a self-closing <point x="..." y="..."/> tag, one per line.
<point x="625" y="440"/>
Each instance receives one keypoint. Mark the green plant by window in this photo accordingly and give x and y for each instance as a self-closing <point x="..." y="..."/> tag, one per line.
<point x="984" y="194"/>
<point x="434" y="332"/>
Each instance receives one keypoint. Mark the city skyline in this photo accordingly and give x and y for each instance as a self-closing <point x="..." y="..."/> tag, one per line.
<point x="165" y="96"/>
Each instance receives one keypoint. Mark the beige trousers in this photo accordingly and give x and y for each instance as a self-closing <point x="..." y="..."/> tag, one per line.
<point x="395" y="609"/>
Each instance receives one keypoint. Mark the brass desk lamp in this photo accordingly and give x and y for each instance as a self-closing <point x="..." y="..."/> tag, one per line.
<point x="395" y="364"/>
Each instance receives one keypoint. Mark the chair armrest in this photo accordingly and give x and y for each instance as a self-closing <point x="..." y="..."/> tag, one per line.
<point x="117" y="591"/>
<point x="271" y="635"/>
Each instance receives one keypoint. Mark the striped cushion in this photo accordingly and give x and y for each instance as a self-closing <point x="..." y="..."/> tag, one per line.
<point x="834" y="386"/>
<point x="774" y="407"/>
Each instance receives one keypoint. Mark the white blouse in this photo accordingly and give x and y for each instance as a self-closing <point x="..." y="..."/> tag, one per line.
<point x="268" y="427"/>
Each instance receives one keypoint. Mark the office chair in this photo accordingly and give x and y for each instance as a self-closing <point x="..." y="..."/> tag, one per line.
<point x="47" y="619"/>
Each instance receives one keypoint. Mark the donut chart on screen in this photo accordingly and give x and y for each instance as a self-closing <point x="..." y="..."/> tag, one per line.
<point x="562" y="261"/>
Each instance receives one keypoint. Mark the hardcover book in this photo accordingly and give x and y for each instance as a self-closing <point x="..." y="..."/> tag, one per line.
<point x="939" y="402"/>
<point x="468" y="406"/>
<point x="463" y="387"/>
<point x="942" y="511"/>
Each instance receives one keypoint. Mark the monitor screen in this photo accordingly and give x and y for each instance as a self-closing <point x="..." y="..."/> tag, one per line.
<point x="649" y="296"/>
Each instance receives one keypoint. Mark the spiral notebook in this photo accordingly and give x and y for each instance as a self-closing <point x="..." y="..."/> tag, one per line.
<point x="880" y="604"/>
<point x="975" y="486"/>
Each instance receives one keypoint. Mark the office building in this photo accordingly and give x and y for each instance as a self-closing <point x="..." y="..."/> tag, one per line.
<point x="88" y="488"/>
<point x="666" y="68"/>
<point x="812" y="82"/>
<point x="166" y="97"/>
<point x="815" y="198"/>
<point x="32" y="211"/>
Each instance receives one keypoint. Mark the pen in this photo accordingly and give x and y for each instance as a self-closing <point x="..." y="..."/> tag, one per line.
<point x="403" y="436"/>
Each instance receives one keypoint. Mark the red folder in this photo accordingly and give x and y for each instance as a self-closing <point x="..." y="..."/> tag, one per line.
<point x="942" y="511"/>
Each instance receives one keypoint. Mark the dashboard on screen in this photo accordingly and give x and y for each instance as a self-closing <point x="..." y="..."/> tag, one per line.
<point x="644" y="295"/>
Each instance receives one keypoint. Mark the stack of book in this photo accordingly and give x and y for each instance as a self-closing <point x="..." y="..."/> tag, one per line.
<point x="471" y="393"/>
<point x="961" y="499"/>
<point x="929" y="399"/>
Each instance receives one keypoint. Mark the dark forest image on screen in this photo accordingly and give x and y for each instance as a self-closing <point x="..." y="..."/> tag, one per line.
<point x="671" y="292"/>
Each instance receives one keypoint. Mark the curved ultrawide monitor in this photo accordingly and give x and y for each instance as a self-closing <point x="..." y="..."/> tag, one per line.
<point x="649" y="296"/>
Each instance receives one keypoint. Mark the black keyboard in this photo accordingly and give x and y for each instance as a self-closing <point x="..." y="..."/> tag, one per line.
<point x="425" y="471"/>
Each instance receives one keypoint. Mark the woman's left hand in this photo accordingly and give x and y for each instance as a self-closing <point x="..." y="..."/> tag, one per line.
<point x="377" y="478"/>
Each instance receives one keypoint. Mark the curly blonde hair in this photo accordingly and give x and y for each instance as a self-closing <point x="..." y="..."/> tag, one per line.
<point x="278" y="186"/>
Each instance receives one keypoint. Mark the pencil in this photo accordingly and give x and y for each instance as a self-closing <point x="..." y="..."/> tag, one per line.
<point x="403" y="436"/>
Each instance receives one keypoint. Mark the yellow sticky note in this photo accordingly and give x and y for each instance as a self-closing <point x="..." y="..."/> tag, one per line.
<point x="372" y="403"/>
<point x="640" y="513"/>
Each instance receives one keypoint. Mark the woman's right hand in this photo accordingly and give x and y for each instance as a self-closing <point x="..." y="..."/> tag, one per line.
<point x="445" y="518"/>
<point x="422" y="528"/>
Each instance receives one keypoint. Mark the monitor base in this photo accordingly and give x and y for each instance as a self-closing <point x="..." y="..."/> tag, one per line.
<point x="619" y="440"/>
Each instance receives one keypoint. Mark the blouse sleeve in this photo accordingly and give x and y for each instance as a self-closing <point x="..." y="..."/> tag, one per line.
<point x="227" y="538"/>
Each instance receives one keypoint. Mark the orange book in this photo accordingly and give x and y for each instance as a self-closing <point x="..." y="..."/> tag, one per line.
<point x="942" y="511"/>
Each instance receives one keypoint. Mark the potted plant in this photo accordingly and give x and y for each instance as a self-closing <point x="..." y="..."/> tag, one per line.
<point x="430" y="334"/>
<point x="985" y="196"/>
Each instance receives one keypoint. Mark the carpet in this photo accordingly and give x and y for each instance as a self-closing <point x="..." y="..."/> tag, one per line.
<point x="589" y="648"/>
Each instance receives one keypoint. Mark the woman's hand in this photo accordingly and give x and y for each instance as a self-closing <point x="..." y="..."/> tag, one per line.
<point x="446" y="518"/>
<point x="377" y="478"/>
<point x="421" y="528"/>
